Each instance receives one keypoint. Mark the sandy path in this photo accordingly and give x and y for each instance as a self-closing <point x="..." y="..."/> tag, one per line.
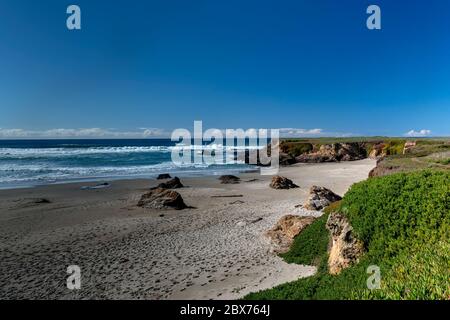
<point x="215" y="251"/>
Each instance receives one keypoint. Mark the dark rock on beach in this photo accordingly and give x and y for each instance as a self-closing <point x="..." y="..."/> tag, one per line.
<point x="279" y="182"/>
<point x="160" y="198"/>
<point x="229" y="179"/>
<point x="163" y="176"/>
<point x="319" y="198"/>
<point x="174" y="183"/>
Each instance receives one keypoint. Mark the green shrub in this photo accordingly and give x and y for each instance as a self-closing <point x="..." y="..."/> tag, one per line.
<point x="425" y="274"/>
<point x="400" y="211"/>
<point x="295" y="148"/>
<point x="404" y="221"/>
<point x="394" y="147"/>
<point x="309" y="246"/>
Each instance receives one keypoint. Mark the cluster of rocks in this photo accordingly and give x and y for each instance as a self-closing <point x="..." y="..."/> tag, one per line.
<point x="344" y="249"/>
<point x="335" y="152"/>
<point x="279" y="182"/>
<point x="319" y="198"/>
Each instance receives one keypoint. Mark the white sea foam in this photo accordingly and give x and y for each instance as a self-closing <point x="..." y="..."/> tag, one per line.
<point x="41" y="173"/>
<point x="59" y="164"/>
<point x="61" y="152"/>
<point x="6" y="153"/>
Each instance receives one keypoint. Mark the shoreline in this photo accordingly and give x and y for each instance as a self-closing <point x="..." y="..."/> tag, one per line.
<point x="90" y="180"/>
<point x="213" y="251"/>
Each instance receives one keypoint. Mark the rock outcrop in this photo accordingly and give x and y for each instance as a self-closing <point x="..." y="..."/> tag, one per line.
<point x="408" y="146"/>
<point x="335" y="152"/>
<point x="229" y="179"/>
<point x="377" y="151"/>
<point x="174" y="183"/>
<point x="160" y="198"/>
<point x="279" y="182"/>
<point x="383" y="169"/>
<point x="283" y="233"/>
<point x="163" y="176"/>
<point x="345" y="248"/>
<point x="286" y="159"/>
<point x="319" y="198"/>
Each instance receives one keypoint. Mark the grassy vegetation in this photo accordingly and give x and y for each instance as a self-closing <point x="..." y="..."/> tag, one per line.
<point x="427" y="154"/>
<point x="444" y="162"/>
<point x="309" y="246"/>
<point x="404" y="222"/>
<point x="398" y="211"/>
<point x="424" y="274"/>
<point x="328" y="140"/>
<point x="295" y="148"/>
<point x="394" y="146"/>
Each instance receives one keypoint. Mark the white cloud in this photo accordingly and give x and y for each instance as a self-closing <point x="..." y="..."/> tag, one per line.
<point x="154" y="132"/>
<point x="420" y="133"/>
<point x="108" y="133"/>
<point x="81" y="133"/>
<point x="297" y="132"/>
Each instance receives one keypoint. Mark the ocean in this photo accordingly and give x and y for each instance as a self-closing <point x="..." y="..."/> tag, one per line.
<point x="25" y="163"/>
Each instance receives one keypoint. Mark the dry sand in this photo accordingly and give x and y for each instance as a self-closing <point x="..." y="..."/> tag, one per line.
<point x="213" y="251"/>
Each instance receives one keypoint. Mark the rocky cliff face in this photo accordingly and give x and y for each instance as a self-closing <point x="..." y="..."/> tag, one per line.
<point x="291" y="153"/>
<point x="377" y="151"/>
<point x="335" y="152"/>
<point x="345" y="248"/>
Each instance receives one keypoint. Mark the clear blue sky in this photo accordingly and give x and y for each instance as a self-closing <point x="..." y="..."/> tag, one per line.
<point x="233" y="64"/>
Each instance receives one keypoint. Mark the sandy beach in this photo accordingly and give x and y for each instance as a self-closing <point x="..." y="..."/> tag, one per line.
<point x="215" y="250"/>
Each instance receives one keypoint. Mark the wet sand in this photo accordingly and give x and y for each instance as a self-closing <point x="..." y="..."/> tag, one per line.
<point x="215" y="250"/>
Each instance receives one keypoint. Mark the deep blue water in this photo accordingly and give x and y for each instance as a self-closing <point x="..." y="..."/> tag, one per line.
<point x="34" y="162"/>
